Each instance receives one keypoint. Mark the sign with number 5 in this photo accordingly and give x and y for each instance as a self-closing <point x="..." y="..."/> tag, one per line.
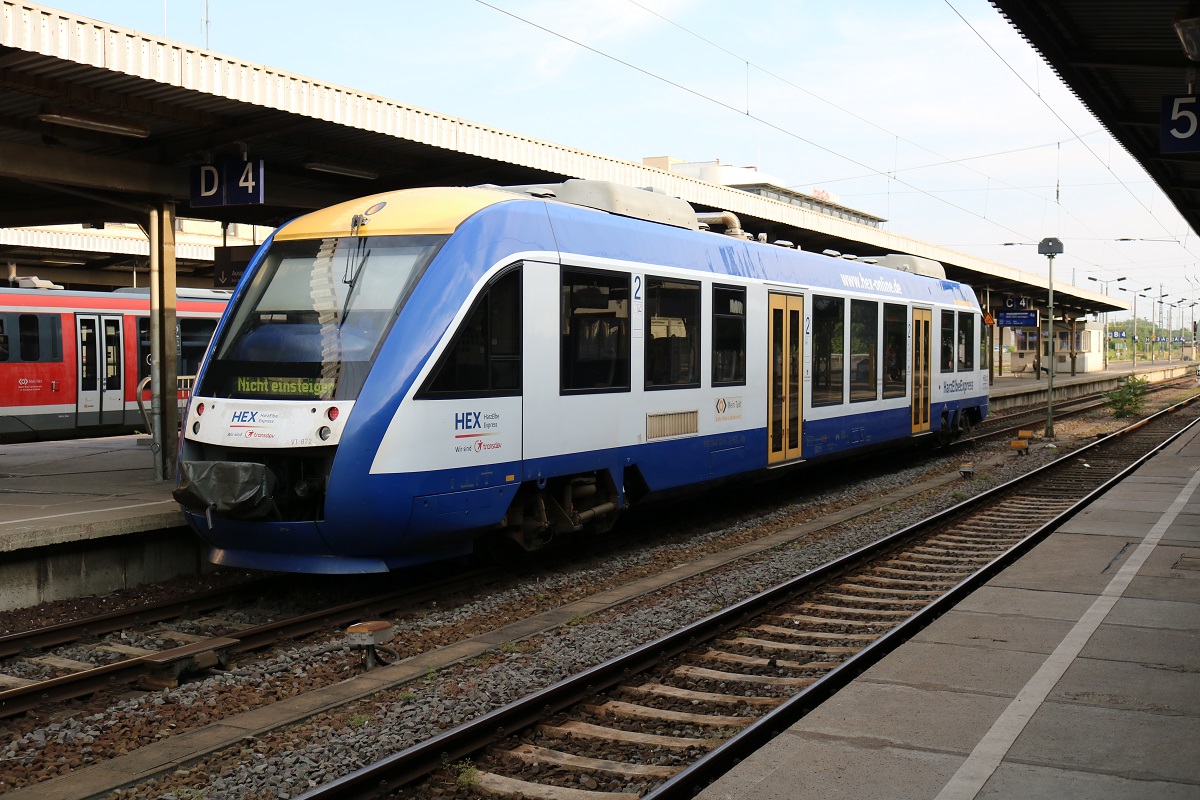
<point x="1179" y="130"/>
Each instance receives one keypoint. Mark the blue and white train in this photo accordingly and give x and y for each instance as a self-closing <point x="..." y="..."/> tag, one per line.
<point x="401" y="376"/>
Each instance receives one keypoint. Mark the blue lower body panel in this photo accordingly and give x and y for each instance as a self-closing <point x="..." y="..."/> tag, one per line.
<point x="378" y="522"/>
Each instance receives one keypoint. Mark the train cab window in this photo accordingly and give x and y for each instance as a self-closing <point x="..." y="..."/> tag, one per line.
<point x="895" y="350"/>
<point x="947" y="353"/>
<point x="672" y="333"/>
<point x="594" y="328"/>
<point x="729" y="336"/>
<point x="965" y="352"/>
<point x="484" y="360"/>
<point x="864" y="351"/>
<point x="311" y="319"/>
<point x="829" y="348"/>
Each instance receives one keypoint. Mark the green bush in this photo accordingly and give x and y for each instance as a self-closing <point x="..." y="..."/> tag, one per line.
<point x="1126" y="400"/>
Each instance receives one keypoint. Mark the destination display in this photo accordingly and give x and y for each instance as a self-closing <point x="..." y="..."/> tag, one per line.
<point x="1017" y="319"/>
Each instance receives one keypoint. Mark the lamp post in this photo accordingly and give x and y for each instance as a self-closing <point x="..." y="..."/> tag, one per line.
<point x="1155" y="324"/>
<point x="1136" y="293"/>
<point x="1192" y="285"/>
<point x="1106" y="282"/>
<point x="1050" y="247"/>
<point x="1171" y="330"/>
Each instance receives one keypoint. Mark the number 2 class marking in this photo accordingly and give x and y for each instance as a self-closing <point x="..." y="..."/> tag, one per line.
<point x="637" y="287"/>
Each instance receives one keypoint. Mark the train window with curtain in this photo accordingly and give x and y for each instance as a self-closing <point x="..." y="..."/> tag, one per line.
<point x="965" y="351"/>
<point x="594" y="331"/>
<point x="672" y="333"/>
<point x="729" y="336"/>
<point x="829" y="348"/>
<point x="484" y="359"/>
<point x="3" y="338"/>
<point x="895" y="350"/>
<point x="864" y="350"/>
<point x="947" y="353"/>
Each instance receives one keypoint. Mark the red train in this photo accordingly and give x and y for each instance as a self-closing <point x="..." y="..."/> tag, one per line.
<point x="71" y="362"/>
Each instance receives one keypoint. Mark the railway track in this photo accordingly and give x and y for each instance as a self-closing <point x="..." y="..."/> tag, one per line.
<point x="156" y="668"/>
<point x="667" y="718"/>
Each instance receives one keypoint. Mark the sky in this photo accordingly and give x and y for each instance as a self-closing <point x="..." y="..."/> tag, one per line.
<point x="934" y="114"/>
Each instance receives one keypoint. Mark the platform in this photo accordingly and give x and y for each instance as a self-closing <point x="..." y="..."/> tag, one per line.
<point x="1013" y="390"/>
<point x="1073" y="673"/>
<point x="85" y="516"/>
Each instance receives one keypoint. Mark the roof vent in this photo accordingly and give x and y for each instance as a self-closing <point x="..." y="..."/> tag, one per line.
<point x="615" y="198"/>
<point x="34" y="282"/>
<point x="914" y="264"/>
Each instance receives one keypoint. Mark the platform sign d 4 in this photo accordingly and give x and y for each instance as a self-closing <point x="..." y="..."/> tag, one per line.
<point x="1179" y="125"/>
<point x="228" y="183"/>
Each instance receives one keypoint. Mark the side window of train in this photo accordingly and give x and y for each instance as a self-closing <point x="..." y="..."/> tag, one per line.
<point x="31" y="340"/>
<point x="194" y="335"/>
<point x="983" y="343"/>
<point x="672" y="333"/>
<point x="895" y="350"/>
<point x="864" y="350"/>
<point x="729" y="336"/>
<point x="947" y="359"/>
<point x="594" y="329"/>
<point x="829" y="349"/>
<point x="38" y="338"/>
<point x="966" y="341"/>
<point x="484" y="358"/>
<point x="3" y="338"/>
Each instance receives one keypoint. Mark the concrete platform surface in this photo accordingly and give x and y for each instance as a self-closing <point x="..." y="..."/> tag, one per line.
<point x="56" y="492"/>
<point x="1074" y="673"/>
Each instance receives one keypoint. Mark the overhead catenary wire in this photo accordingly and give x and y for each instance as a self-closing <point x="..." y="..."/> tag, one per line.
<point x="946" y="161"/>
<point x="889" y="174"/>
<point x="1064" y="123"/>
<point x="746" y="113"/>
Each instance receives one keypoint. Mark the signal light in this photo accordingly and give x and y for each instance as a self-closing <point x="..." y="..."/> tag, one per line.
<point x="200" y="410"/>
<point x="324" y="433"/>
<point x="332" y="413"/>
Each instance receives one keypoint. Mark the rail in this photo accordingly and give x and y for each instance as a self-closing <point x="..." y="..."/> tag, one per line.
<point x="183" y="389"/>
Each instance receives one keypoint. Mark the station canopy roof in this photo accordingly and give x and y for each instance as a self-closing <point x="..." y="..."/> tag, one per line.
<point x="1121" y="58"/>
<point x="98" y="123"/>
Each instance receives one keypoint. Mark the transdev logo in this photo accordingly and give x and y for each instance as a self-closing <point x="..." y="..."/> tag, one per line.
<point x="728" y="408"/>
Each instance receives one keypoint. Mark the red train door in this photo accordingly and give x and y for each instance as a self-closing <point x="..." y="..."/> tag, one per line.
<point x="101" y="378"/>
